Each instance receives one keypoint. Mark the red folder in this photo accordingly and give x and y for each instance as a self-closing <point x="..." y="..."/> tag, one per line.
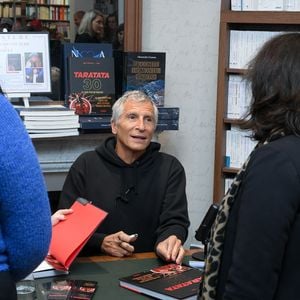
<point x="69" y="236"/>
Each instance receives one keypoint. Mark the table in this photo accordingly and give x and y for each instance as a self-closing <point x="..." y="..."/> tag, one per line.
<point x="107" y="270"/>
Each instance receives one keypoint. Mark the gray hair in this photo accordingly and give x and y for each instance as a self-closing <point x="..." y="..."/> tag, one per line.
<point x="136" y="96"/>
<point x="86" y="22"/>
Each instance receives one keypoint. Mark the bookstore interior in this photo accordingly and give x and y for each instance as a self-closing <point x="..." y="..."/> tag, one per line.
<point x="64" y="89"/>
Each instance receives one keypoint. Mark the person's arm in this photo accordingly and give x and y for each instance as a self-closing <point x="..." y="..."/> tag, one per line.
<point x="269" y="201"/>
<point x="25" y="211"/>
<point x="174" y="221"/>
<point x="60" y="215"/>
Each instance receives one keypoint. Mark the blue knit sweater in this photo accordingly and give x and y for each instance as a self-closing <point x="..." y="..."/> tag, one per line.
<point x="25" y="224"/>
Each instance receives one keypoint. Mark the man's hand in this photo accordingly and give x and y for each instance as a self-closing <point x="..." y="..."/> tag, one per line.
<point x="118" y="244"/>
<point x="171" y="249"/>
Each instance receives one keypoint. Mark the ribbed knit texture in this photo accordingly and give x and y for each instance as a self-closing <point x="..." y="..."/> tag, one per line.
<point x="25" y="224"/>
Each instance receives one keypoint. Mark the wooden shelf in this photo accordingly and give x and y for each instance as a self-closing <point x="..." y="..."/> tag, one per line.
<point x="238" y="20"/>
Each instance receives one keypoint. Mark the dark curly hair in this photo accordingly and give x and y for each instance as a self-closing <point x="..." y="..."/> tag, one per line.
<point x="274" y="78"/>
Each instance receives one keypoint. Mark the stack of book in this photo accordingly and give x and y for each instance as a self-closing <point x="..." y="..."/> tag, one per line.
<point x="168" y="119"/>
<point x="48" y="121"/>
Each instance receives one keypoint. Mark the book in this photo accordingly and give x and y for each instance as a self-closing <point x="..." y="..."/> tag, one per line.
<point x="91" y="85"/>
<point x="167" y="125"/>
<point x="44" y="269"/>
<point x="171" y="281"/>
<point x="34" y="134"/>
<point x="51" y="125"/>
<point x="81" y="50"/>
<point x="168" y="113"/>
<point x="45" y="110"/>
<point x="143" y="71"/>
<point x="70" y="236"/>
<point x="94" y="123"/>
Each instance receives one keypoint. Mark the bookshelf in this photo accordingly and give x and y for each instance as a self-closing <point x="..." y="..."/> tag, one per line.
<point x="270" y="21"/>
<point x="54" y="16"/>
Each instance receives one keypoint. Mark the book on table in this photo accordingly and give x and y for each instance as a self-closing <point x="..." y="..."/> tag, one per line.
<point x="171" y="281"/>
<point x="69" y="237"/>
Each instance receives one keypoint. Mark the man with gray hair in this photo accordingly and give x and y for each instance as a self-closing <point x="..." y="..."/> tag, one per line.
<point x="142" y="189"/>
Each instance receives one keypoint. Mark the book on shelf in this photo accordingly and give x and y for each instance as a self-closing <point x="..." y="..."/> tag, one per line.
<point x="239" y="97"/>
<point x="168" y="113"/>
<point x="81" y="50"/>
<point x="167" y="125"/>
<point x="141" y="71"/>
<point x="238" y="147"/>
<point x="70" y="235"/>
<point x="34" y="134"/>
<point x="42" y="125"/>
<point x="91" y="85"/>
<point x="94" y="122"/>
<point x="171" y="281"/>
<point x="265" y="5"/>
<point x="45" y="110"/>
<point x="244" y="44"/>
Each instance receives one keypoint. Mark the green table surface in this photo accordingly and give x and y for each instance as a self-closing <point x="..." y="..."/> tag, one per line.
<point x="107" y="275"/>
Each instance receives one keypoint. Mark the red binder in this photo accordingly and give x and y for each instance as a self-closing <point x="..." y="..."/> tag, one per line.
<point x="69" y="236"/>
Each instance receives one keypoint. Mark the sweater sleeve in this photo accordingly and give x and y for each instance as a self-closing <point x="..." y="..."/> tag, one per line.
<point x="25" y="211"/>
<point x="174" y="218"/>
<point x="268" y="205"/>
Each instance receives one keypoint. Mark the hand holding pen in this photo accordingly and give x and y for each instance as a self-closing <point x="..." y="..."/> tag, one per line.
<point x="119" y="244"/>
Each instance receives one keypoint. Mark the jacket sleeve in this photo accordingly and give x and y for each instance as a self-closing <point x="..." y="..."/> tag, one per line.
<point x="268" y="205"/>
<point x="25" y="211"/>
<point x="174" y="218"/>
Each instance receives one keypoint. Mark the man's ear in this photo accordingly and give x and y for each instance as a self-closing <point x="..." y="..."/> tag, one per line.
<point x="113" y="127"/>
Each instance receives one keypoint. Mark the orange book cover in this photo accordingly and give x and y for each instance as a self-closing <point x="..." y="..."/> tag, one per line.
<point x="69" y="236"/>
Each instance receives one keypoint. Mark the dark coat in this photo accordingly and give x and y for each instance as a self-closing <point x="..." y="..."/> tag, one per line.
<point x="261" y="258"/>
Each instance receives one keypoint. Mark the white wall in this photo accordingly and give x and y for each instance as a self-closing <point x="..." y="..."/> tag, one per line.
<point x="188" y="31"/>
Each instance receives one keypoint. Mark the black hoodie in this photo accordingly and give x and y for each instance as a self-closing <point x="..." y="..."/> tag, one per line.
<point x="146" y="197"/>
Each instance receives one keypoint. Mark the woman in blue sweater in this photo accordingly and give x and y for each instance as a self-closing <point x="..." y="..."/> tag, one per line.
<point x="25" y="223"/>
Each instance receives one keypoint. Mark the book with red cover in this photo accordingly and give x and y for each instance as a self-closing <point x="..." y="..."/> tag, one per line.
<point x="170" y="281"/>
<point x="69" y="236"/>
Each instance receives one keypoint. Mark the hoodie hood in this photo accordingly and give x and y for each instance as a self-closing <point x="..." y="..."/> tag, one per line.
<point x="130" y="173"/>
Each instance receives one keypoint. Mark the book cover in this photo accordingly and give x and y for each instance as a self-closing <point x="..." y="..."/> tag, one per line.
<point x="70" y="236"/>
<point x="81" y="50"/>
<point x="44" y="269"/>
<point x="144" y="71"/>
<point x="170" y="281"/>
<point x="45" y="110"/>
<point x="167" y="125"/>
<point x="91" y="85"/>
<point x="94" y="123"/>
<point x="168" y="113"/>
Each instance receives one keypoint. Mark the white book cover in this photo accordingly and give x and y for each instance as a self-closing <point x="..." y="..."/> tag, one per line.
<point x="50" y="125"/>
<point x="248" y="5"/>
<point x="236" y="5"/>
<point x="270" y="5"/>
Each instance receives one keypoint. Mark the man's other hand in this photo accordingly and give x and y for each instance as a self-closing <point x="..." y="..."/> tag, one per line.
<point x="171" y="250"/>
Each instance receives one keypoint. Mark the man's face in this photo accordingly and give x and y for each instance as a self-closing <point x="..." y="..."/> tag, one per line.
<point x="134" y="129"/>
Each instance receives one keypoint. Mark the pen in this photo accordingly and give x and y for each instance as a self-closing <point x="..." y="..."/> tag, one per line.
<point x="135" y="235"/>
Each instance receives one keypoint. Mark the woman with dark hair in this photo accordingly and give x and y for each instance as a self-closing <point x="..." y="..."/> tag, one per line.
<point x="91" y="29"/>
<point x="118" y="41"/>
<point x="25" y="223"/>
<point x="255" y="241"/>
